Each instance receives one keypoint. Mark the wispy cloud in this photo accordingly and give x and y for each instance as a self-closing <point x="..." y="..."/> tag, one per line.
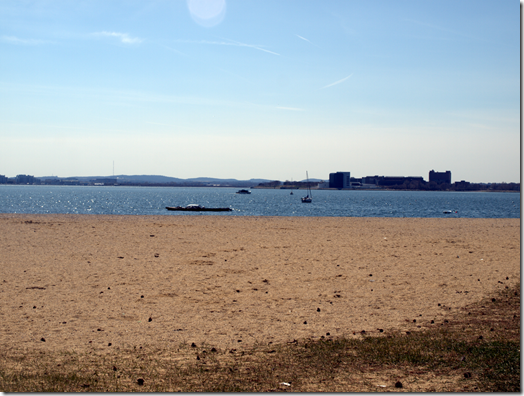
<point x="306" y="40"/>
<point x="290" y="108"/>
<point x="123" y="37"/>
<point x="20" y="41"/>
<point x="337" y="82"/>
<point x="303" y="38"/>
<point x="229" y="42"/>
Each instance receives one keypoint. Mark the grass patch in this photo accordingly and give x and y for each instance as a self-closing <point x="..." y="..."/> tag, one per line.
<point x="478" y="350"/>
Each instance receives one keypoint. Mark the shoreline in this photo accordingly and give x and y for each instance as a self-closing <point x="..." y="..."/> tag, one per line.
<point x="262" y="187"/>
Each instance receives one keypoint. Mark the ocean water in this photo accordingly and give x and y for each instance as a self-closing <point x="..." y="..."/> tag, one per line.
<point x="118" y="200"/>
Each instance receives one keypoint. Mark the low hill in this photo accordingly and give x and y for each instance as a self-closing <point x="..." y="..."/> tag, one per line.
<point x="158" y="179"/>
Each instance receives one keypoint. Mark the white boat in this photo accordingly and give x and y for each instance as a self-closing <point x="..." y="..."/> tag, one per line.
<point x="308" y="197"/>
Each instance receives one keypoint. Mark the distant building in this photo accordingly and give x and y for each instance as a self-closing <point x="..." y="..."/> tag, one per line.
<point x="462" y="185"/>
<point x="26" y="179"/>
<point x="387" y="181"/>
<point x="355" y="182"/>
<point x="272" y="184"/>
<point x="399" y="180"/>
<point x="440" y="177"/>
<point x="70" y="182"/>
<point x="53" y="181"/>
<point x="104" y="182"/>
<point x="3" y="179"/>
<point x="372" y="180"/>
<point x="340" y="180"/>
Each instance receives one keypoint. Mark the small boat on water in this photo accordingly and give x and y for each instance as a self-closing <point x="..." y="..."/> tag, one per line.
<point x="197" y="208"/>
<point x="450" y="211"/>
<point x="243" y="192"/>
<point x="308" y="197"/>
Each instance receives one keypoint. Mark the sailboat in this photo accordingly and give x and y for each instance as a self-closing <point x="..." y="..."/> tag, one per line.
<point x="308" y="197"/>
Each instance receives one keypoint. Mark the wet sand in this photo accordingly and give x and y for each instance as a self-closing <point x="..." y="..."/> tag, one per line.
<point x="83" y="282"/>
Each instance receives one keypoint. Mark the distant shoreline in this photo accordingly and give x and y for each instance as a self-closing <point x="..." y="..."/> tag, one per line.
<point x="380" y="189"/>
<point x="260" y="187"/>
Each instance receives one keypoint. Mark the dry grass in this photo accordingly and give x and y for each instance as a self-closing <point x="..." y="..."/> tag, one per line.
<point x="479" y="350"/>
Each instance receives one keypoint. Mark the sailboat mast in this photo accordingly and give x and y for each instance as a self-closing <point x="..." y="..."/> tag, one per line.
<point x="308" y="185"/>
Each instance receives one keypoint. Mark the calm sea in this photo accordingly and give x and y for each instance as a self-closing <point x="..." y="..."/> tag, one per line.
<point x="153" y="200"/>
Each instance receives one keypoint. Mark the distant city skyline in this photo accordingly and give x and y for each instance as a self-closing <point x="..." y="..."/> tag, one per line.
<point x="261" y="89"/>
<point x="442" y="175"/>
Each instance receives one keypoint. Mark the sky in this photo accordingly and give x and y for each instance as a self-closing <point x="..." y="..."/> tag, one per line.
<point x="260" y="88"/>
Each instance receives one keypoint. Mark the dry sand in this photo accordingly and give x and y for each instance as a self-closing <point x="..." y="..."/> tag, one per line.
<point x="83" y="281"/>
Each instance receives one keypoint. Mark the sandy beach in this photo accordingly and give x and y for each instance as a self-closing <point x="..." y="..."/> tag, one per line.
<point x="99" y="282"/>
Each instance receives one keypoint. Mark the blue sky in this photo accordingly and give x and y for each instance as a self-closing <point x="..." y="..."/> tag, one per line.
<point x="260" y="89"/>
